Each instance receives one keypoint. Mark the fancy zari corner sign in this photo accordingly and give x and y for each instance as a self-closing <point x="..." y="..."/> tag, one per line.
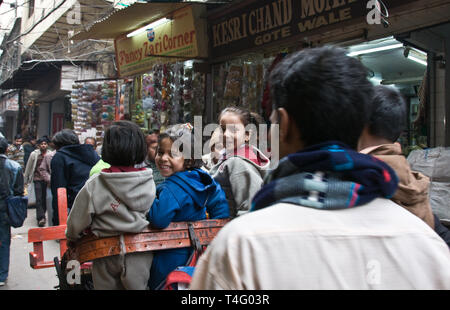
<point x="176" y="37"/>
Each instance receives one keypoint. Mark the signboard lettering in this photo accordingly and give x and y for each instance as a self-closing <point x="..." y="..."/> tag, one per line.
<point x="178" y="37"/>
<point x="267" y="21"/>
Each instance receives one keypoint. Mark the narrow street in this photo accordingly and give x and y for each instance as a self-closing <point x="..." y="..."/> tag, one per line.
<point x="21" y="275"/>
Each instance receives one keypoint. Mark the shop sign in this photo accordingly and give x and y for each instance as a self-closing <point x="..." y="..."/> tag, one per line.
<point x="177" y="38"/>
<point x="268" y="21"/>
<point x="10" y="103"/>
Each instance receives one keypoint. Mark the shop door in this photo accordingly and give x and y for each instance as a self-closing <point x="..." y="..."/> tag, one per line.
<point x="58" y="122"/>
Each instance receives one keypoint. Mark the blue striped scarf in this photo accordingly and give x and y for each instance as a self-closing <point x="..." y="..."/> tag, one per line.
<point x="327" y="176"/>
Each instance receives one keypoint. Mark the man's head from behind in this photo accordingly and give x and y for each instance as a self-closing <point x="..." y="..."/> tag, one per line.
<point x="387" y="119"/>
<point x="65" y="137"/>
<point x="319" y="95"/>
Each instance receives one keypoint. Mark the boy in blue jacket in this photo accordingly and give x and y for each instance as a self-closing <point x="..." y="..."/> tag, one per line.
<point x="187" y="194"/>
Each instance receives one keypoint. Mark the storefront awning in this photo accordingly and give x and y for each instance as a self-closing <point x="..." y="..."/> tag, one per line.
<point x="30" y="71"/>
<point x="128" y="19"/>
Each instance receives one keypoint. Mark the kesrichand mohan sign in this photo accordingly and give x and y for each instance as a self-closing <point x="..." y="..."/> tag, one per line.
<point x="178" y="37"/>
<point x="267" y="21"/>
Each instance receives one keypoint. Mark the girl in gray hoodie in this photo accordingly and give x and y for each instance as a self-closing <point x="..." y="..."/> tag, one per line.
<point x="114" y="202"/>
<point x="242" y="166"/>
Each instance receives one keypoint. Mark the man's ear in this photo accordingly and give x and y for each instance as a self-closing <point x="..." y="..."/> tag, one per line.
<point x="285" y="124"/>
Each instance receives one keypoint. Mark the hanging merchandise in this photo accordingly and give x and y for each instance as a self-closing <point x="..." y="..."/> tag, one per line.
<point x="136" y="108"/>
<point x="93" y="108"/>
<point x="240" y="82"/>
<point x="198" y="97"/>
<point x="124" y="99"/>
<point x="171" y="93"/>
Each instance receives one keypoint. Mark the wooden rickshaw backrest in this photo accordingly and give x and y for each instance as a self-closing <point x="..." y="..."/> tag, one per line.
<point x="88" y="248"/>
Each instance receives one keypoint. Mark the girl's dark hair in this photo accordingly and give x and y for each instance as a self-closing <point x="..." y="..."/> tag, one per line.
<point x="65" y="137"/>
<point x="247" y="118"/>
<point x="186" y="137"/>
<point x="124" y="144"/>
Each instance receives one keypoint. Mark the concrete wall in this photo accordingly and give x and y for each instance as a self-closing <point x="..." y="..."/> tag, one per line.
<point x="44" y="123"/>
<point x="39" y="19"/>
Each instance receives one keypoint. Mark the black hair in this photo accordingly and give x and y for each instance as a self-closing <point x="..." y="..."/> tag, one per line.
<point x="124" y="144"/>
<point x="42" y="139"/>
<point x="18" y="136"/>
<point x="3" y="145"/>
<point x="65" y="137"/>
<point x="325" y="92"/>
<point x="90" y="138"/>
<point x="388" y="117"/>
<point x="187" y="139"/>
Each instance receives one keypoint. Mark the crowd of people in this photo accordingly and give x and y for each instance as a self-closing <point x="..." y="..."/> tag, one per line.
<point x="342" y="198"/>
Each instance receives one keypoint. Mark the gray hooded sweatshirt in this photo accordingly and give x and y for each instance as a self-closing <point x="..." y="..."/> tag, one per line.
<point x="112" y="204"/>
<point x="241" y="176"/>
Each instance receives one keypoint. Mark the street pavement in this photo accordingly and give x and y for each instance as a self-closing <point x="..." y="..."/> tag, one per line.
<point x="21" y="275"/>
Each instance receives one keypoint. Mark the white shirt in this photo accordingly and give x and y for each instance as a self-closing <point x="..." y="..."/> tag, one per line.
<point x="376" y="246"/>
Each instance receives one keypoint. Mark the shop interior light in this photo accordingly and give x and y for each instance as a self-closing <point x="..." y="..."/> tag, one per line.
<point x="416" y="55"/>
<point x="157" y="23"/>
<point x="376" y="49"/>
<point x="420" y="61"/>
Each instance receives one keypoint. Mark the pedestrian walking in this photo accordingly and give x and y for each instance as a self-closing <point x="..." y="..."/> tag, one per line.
<point x="33" y="175"/>
<point x="324" y="218"/>
<point x="45" y="171"/>
<point x="11" y="183"/>
<point x="70" y="167"/>
<point x="28" y="147"/>
<point x="114" y="202"/>
<point x="16" y="152"/>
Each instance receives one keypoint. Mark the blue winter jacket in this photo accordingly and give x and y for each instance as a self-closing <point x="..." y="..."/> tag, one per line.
<point x="70" y="167"/>
<point x="184" y="196"/>
<point x="13" y="172"/>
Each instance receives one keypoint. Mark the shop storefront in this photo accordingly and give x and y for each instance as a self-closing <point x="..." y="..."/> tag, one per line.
<point x="248" y="39"/>
<point x="9" y="108"/>
<point x="159" y="82"/>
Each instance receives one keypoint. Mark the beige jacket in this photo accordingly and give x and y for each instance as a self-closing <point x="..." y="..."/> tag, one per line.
<point x="240" y="178"/>
<point x="111" y="204"/>
<point x="376" y="246"/>
<point x="413" y="187"/>
<point x="31" y="166"/>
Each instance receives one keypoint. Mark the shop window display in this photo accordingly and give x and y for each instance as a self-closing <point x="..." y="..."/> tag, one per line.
<point x="241" y="82"/>
<point x="93" y="107"/>
<point x="170" y="93"/>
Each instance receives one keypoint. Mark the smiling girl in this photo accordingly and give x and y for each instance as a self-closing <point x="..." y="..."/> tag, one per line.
<point x="241" y="169"/>
<point x="186" y="195"/>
